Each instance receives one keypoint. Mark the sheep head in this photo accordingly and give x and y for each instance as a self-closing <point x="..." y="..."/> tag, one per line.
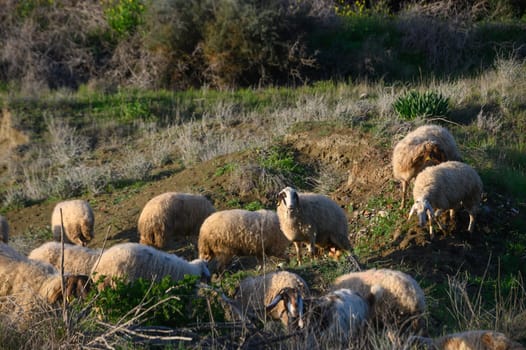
<point x="205" y="273"/>
<point x="495" y="340"/>
<point x="289" y="198"/>
<point x="75" y="286"/>
<point x="293" y="303"/>
<point x="423" y="210"/>
<point x="428" y="154"/>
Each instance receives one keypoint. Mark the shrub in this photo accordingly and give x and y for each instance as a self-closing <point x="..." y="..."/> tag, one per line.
<point x="253" y="41"/>
<point x="123" y="16"/>
<point x="416" y="104"/>
<point x="166" y="303"/>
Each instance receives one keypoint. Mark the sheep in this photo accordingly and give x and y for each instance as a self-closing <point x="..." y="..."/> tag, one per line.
<point x="172" y="215"/>
<point x="27" y="283"/>
<point x="472" y="340"/>
<point x="279" y="293"/>
<point x="446" y="186"/>
<point x="77" y="217"/>
<point x="131" y="261"/>
<point x="4" y="230"/>
<point x="341" y="316"/>
<point x="77" y="259"/>
<point x="424" y="146"/>
<point x="402" y="299"/>
<point x="312" y="218"/>
<point x="227" y="233"/>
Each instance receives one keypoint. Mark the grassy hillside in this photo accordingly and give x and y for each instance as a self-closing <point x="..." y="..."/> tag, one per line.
<point x="240" y="148"/>
<point x="150" y="113"/>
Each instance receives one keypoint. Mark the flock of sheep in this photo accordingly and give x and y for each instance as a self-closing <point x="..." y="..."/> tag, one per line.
<point x="356" y="300"/>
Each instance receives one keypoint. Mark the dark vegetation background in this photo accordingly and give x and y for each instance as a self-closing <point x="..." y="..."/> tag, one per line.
<point x="177" y="44"/>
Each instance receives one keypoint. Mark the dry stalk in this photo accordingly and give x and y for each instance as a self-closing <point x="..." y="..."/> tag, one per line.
<point x="65" y="316"/>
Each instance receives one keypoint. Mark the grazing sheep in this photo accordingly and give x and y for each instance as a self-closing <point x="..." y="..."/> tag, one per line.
<point x="25" y="283"/>
<point x="471" y="340"/>
<point x="424" y="146"/>
<point x="341" y="316"/>
<point x="78" y="220"/>
<point x="402" y="299"/>
<point x="279" y="293"/>
<point x="446" y="186"/>
<point x="131" y="261"/>
<point x="227" y="233"/>
<point x="172" y="215"/>
<point x="4" y="230"/>
<point x="312" y="218"/>
<point x="77" y="259"/>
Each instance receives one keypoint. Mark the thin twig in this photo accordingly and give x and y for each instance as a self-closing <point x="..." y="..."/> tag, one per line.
<point x="62" y="279"/>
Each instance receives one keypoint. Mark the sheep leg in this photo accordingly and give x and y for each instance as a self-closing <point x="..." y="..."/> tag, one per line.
<point x="312" y="246"/>
<point x="297" y="245"/>
<point x="471" y="222"/>
<point x="404" y="192"/>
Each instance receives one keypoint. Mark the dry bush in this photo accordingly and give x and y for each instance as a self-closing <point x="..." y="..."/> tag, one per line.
<point x="259" y="42"/>
<point x="506" y="313"/>
<point x="51" y="46"/>
<point x="444" y="42"/>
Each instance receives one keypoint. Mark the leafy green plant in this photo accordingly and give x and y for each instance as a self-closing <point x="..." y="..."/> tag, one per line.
<point x="350" y="8"/>
<point x="280" y="159"/>
<point x="165" y="303"/>
<point x="415" y="104"/>
<point x="124" y="16"/>
<point x="222" y="170"/>
<point x="253" y="206"/>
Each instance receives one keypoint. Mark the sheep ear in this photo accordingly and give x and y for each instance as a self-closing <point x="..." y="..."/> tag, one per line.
<point x="274" y="302"/>
<point x="413" y="209"/>
<point x="300" y="310"/>
<point x="205" y="273"/>
<point x="427" y="207"/>
<point x="280" y="197"/>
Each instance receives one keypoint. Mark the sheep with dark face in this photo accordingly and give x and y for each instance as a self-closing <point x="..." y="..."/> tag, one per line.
<point x="280" y="294"/>
<point x="422" y="147"/>
<point x="312" y="218"/>
<point x="446" y="186"/>
<point x="27" y="283"/>
<point x="77" y="217"/>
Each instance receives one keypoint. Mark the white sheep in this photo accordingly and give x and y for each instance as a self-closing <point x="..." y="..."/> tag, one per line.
<point x="170" y="216"/>
<point x="4" y="229"/>
<point x="446" y="186"/>
<point x="26" y="283"/>
<point x="228" y="233"/>
<point x="280" y="294"/>
<point x="424" y="146"/>
<point x="77" y="259"/>
<point x="341" y="316"/>
<point x="312" y="218"/>
<point x="131" y="261"/>
<point x="470" y="340"/>
<point x="402" y="300"/>
<point x="78" y="220"/>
